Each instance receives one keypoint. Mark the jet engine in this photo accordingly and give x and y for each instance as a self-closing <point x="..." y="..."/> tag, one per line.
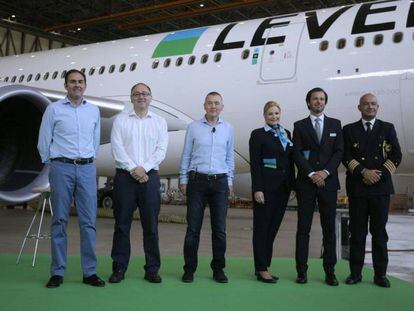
<point x="21" y="110"/>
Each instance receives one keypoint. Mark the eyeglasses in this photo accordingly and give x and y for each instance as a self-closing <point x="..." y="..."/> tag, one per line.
<point x="143" y="94"/>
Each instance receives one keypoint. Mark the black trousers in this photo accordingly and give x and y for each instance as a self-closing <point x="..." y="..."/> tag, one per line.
<point x="327" y="210"/>
<point x="128" y="194"/>
<point x="372" y="210"/>
<point x="267" y="218"/>
<point x="199" y="193"/>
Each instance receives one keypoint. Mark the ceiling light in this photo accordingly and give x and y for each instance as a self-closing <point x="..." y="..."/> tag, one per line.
<point x="201" y="5"/>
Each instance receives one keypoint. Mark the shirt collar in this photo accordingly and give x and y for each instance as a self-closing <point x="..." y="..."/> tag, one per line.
<point x="204" y="120"/>
<point x="67" y="101"/>
<point x="313" y="118"/>
<point x="267" y="128"/>
<point x="132" y="113"/>
<point x="370" y="121"/>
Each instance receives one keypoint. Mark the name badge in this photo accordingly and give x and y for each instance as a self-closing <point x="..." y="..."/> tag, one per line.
<point x="270" y="163"/>
<point x="332" y="134"/>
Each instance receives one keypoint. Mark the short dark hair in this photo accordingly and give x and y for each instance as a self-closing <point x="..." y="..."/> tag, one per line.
<point x="141" y="83"/>
<point x="215" y="94"/>
<point x="316" y="89"/>
<point x="69" y="72"/>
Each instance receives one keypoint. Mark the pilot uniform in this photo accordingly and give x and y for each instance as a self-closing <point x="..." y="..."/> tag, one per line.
<point x="373" y="149"/>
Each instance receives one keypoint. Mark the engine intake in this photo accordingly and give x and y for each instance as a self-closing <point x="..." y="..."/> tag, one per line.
<point x="21" y="110"/>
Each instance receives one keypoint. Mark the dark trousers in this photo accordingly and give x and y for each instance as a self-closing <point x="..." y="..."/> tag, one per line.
<point x="199" y="193"/>
<point x="375" y="210"/>
<point x="128" y="194"/>
<point x="267" y="218"/>
<point x="327" y="210"/>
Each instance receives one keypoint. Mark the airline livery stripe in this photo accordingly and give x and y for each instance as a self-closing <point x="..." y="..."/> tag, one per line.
<point x="178" y="43"/>
<point x="185" y="34"/>
<point x="176" y="47"/>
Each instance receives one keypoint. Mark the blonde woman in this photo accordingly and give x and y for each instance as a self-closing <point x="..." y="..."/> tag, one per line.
<point x="272" y="172"/>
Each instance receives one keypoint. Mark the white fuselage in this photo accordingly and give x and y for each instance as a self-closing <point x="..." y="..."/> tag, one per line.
<point x="282" y="71"/>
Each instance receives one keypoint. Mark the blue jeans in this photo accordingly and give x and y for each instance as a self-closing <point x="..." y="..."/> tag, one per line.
<point x="73" y="182"/>
<point x="199" y="193"/>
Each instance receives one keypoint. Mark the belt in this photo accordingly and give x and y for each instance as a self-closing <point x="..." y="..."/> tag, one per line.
<point x="201" y="176"/>
<point x="79" y="161"/>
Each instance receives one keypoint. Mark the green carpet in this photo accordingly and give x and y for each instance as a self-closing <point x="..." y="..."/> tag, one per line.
<point x="22" y="288"/>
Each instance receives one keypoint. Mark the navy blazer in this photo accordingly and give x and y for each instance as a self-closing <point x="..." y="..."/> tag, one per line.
<point x="378" y="150"/>
<point x="311" y="156"/>
<point x="265" y="146"/>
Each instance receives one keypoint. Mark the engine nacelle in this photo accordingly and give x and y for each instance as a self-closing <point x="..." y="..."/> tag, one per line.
<point x="21" y="110"/>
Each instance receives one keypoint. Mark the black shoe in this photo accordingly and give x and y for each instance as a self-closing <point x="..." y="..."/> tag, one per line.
<point x="153" y="277"/>
<point x="94" y="280"/>
<point x="220" y="277"/>
<point x="382" y="281"/>
<point x="331" y="280"/>
<point x="116" y="277"/>
<point x="256" y="273"/>
<point x="302" y="278"/>
<point x="54" y="281"/>
<point x="272" y="280"/>
<point x="353" y="279"/>
<point x="188" y="277"/>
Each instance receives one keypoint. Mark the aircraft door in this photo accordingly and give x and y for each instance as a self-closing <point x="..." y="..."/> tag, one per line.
<point x="407" y="110"/>
<point x="279" y="60"/>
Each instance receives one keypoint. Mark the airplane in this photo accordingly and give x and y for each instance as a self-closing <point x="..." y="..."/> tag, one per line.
<point x="348" y="51"/>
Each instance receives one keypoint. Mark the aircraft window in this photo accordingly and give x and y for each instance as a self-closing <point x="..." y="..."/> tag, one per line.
<point x="155" y="64"/>
<point x="29" y="77"/>
<point x="37" y="77"/>
<point x="13" y="79"/>
<point x="191" y="60"/>
<point x="21" y="78"/>
<point x="133" y="67"/>
<point x="217" y="57"/>
<point x="179" y="61"/>
<point x="91" y="71"/>
<point x="398" y="36"/>
<point x="340" y="44"/>
<point x="122" y="68"/>
<point x="245" y="54"/>
<point x="83" y="70"/>
<point x="323" y="46"/>
<point x="111" y="69"/>
<point x="54" y="75"/>
<point x="101" y="70"/>
<point x="63" y="74"/>
<point x="378" y="39"/>
<point x="6" y="79"/>
<point x="167" y="62"/>
<point x="46" y="76"/>
<point x="204" y="59"/>
<point x="359" y="41"/>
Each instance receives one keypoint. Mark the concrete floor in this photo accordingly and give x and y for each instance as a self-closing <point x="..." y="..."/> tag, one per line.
<point x="14" y="223"/>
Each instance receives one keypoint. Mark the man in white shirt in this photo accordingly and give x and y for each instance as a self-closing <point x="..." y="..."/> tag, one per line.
<point x="139" y="141"/>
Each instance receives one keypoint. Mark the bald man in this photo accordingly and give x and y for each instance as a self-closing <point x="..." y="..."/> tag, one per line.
<point x="372" y="154"/>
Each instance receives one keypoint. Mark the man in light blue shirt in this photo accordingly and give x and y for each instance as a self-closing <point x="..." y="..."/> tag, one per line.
<point x="206" y="176"/>
<point x="69" y="143"/>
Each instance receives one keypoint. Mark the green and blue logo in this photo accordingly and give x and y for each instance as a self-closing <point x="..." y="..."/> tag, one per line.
<point x="178" y="43"/>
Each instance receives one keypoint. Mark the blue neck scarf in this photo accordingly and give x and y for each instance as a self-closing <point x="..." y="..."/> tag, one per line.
<point x="280" y="132"/>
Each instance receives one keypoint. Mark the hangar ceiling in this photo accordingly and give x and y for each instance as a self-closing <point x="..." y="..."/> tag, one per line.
<point x="79" y="22"/>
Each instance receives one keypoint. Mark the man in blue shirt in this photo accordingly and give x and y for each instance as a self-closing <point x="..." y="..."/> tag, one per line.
<point x="206" y="176"/>
<point x="69" y="143"/>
